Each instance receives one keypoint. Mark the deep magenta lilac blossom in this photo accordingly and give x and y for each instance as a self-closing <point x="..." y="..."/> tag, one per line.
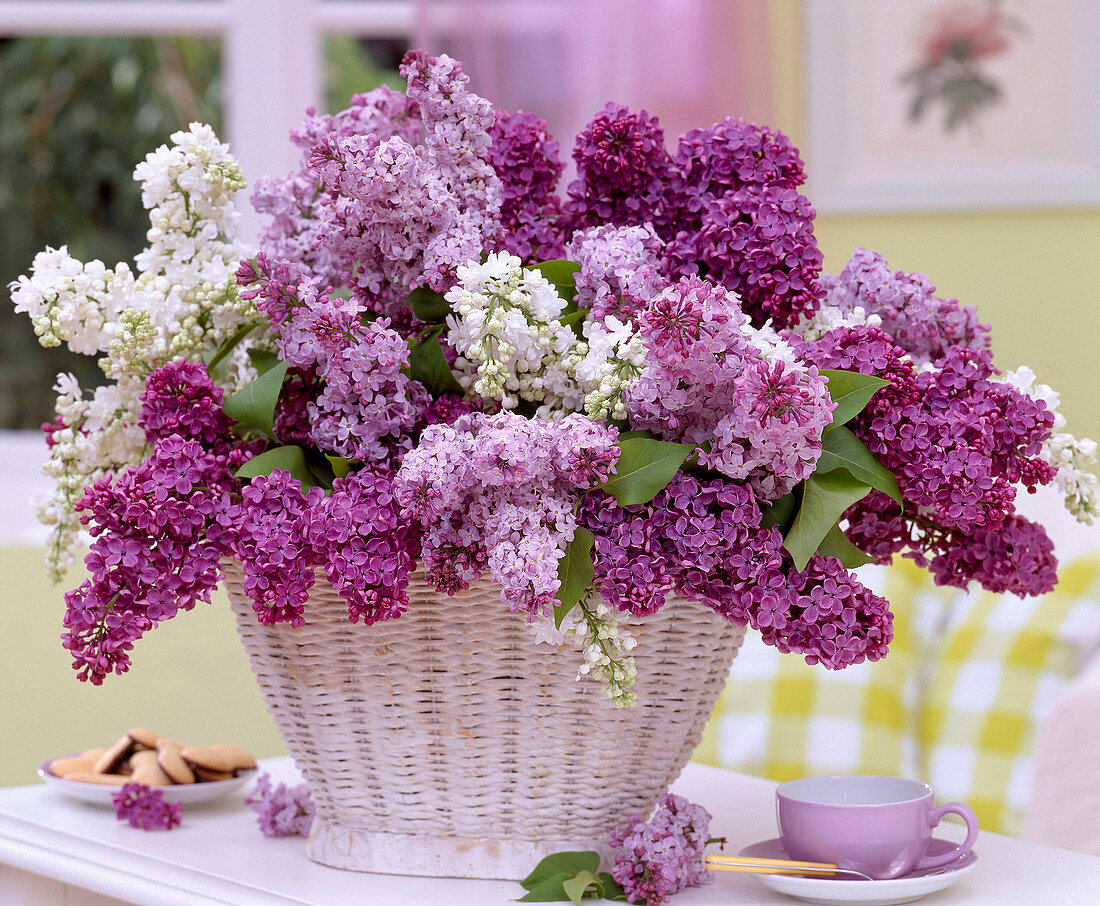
<point x="155" y="551"/>
<point x="959" y="442"/>
<point x="759" y="243"/>
<point x="623" y="170"/>
<point x="144" y="807"/>
<point x="525" y="156"/>
<point x="704" y="540"/>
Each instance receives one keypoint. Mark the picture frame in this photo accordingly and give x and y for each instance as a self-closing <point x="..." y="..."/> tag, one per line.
<point x="904" y="114"/>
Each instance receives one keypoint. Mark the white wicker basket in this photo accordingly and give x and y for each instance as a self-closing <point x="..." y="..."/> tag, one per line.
<point x="447" y="743"/>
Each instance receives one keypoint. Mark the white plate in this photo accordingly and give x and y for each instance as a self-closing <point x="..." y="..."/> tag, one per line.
<point x="184" y="793"/>
<point x="832" y="892"/>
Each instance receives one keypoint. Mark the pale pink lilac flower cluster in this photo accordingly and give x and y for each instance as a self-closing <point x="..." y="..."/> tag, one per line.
<point x="525" y="156"/>
<point x="495" y="493"/>
<point x="366" y="405"/>
<point x="711" y="380"/>
<point x="660" y="857"/>
<point x="144" y="807"/>
<point x="621" y="269"/>
<point x="281" y="811"/>
<point x="395" y="214"/>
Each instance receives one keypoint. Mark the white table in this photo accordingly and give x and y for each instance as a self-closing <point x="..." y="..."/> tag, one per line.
<point x="57" y="851"/>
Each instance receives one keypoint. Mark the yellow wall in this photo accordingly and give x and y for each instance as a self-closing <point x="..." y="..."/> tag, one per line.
<point x="190" y="680"/>
<point x="1033" y="275"/>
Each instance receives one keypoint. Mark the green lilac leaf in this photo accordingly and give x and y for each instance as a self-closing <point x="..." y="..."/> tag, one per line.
<point x="567" y="863"/>
<point x="549" y="890"/>
<point x="428" y="365"/>
<point x="781" y="512"/>
<point x="575" y="572"/>
<point x="645" y="466"/>
<point x="842" y="450"/>
<point x="254" y="403"/>
<point x="576" y="887"/>
<point x="340" y="465"/>
<point x="290" y="459"/>
<point x="824" y="500"/>
<point x="851" y="391"/>
<point x="262" y="360"/>
<point x="428" y="305"/>
<point x="612" y="890"/>
<point x="837" y="544"/>
<point x="562" y="274"/>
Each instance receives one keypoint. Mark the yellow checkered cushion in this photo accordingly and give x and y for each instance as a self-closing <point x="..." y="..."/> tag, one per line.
<point x="998" y="673"/>
<point x="956" y="702"/>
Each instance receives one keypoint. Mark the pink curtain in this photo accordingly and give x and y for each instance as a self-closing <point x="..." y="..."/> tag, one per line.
<point x="690" y="62"/>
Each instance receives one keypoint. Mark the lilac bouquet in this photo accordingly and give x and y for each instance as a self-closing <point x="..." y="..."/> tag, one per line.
<point x="642" y="387"/>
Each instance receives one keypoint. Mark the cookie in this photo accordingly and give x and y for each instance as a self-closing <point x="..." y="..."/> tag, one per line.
<point x="222" y="757"/>
<point x="94" y="777"/>
<point x="172" y="763"/>
<point x="205" y="775"/>
<point x="110" y="761"/>
<point x="144" y="737"/>
<point x="145" y="769"/>
<point x="67" y="764"/>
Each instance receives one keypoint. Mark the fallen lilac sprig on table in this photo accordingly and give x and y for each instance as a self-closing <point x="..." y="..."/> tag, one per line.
<point x="281" y="811"/>
<point x="664" y="855"/>
<point x="145" y="807"/>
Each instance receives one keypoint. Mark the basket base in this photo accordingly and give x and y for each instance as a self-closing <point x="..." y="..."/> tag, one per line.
<point x="428" y="855"/>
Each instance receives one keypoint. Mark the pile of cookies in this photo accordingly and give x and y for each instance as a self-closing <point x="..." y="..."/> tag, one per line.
<point x="143" y="756"/>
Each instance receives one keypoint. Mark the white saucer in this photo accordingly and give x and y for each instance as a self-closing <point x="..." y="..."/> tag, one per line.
<point x="832" y="892"/>
<point x="185" y="793"/>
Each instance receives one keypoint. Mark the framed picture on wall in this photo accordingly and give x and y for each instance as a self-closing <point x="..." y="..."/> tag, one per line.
<point x="952" y="104"/>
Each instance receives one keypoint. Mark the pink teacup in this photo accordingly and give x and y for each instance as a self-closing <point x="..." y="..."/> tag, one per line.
<point x="872" y="823"/>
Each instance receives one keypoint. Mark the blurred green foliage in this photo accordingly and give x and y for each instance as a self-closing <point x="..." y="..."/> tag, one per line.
<point x="76" y="115"/>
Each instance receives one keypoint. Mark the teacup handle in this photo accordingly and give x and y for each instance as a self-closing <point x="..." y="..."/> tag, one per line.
<point x="963" y="848"/>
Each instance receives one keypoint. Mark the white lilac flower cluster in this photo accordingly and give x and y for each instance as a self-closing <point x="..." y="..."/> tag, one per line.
<point x="1069" y="455"/>
<point x="183" y="298"/>
<point x="511" y="345"/>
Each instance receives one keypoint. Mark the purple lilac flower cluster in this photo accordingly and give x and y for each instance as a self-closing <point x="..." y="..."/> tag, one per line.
<point x="525" y="156"/>
<point x="623" y="170"/>
<point x="281" y="811"/>
<point x="366" y="404"/>
<point x="710" y="381"/>
<point x="704" y="540"/>
<point x="495" y="493"/>
<point x="958" y="440"/>
<point x="144" y="807"/>
<point x="735" y="215"/>
<point x="621" y="271"/>
<point x="395" y="214"/>
<point x="664" y="855"/>
<point x="925" y="326"/>
<point x="282" y="535"/>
